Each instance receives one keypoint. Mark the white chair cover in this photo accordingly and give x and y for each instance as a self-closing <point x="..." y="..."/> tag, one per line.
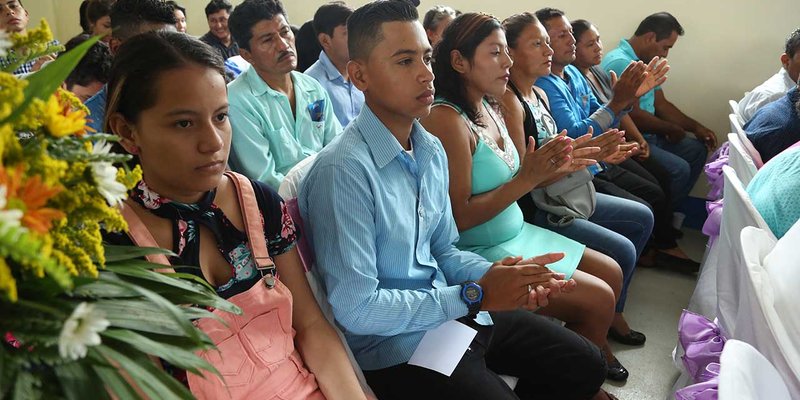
<point x="288" y="190"/>
<point x="746" y="375"/>
<point x="736" y="127"/>
<point x="291" y="182"/>
<point x="737" y="213"/>
<point x="734" y="106"/>
<point x="768" y="317"/>
<point x="740" y="161"/>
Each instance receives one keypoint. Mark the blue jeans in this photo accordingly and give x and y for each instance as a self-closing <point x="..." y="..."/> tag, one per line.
<point x="684" y="161"/>
<point x="619" y="228"/>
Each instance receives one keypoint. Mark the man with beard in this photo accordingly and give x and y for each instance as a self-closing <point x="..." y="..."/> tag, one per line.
<point x="279" y="116"/>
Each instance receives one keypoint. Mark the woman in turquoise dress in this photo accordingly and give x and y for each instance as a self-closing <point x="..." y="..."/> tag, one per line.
<point x="487" y="175"/>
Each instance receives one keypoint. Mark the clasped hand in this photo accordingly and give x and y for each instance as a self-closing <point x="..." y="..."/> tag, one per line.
<point x="513" y="283"/>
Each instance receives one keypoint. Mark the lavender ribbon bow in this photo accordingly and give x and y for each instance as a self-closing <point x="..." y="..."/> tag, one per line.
<point x="702" y="343"/>
<point x="705" y="390"/>
<point x="713" y="171"/>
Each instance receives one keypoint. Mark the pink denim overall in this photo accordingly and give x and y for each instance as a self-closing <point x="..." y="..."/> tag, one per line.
<point x="255" y="352"/>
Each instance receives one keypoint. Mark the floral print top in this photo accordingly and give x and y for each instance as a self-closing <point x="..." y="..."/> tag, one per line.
<point x="279" y="231"/>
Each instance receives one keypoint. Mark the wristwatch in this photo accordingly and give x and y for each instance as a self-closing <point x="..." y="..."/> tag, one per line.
<point x="472" y="295"/>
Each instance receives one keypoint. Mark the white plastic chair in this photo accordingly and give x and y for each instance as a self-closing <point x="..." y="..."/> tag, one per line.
<point x="767" y="317"/>
<point x="746" y="375"/>
<point x="740" y="161"/>
<point x="737" y="214"/>
<point x="736" y="127"/>
<point x="734" y="106"/>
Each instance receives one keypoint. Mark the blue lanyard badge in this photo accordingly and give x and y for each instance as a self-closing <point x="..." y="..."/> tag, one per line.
<point x="315" y="110"/>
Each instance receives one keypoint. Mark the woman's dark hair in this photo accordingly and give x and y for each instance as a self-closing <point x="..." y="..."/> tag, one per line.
<point x="435" y="15"/>
<point x="579" y="27"/>
<point x="132" y="86"/>
<point x="176" y="6"/>
<point x="97" y="9"/>
<point x="94" y="66"/>
<point x="307" y="46"/>
<point x="464" y="34"/>
<point x="82" y="15"/>
<point x="515" y="24"/>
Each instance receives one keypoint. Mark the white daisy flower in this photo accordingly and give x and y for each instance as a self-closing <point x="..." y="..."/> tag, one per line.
<point x="105" y="174"/>
<point x="8" y="218"/>
<point x="81" y="330"/>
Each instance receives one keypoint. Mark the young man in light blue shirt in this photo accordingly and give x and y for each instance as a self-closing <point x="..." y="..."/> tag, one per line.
<point x="279" y="116"/>
<point x="663" y="125"/>
<point x="378" y="215"/>
<point x="330" y="22"/>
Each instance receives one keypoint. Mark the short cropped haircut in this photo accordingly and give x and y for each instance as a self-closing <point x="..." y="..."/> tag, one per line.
<point x="546" y="14"/>
<point x="97" y="9"/>
<point x="365" y="26"/>
<point x="215" y="6"/>
<point x="94" y="66"/>
<point x="435" y="15"/>
<point x="793" y="43"/>
<point x="128" y="16"/>
<point x="331" y="15"/>
<point x="662" y="24"/>
<point x="248" y="14"/>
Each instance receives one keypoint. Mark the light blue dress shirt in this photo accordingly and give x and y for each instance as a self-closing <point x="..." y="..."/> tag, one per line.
<point x="97" y="109"/>
<point x="347" y="99"/>
<point x="573" y="104"/>
<point x="382" y="230"/>
<point x="268" y="137"/>
<point x="617" y="60"/>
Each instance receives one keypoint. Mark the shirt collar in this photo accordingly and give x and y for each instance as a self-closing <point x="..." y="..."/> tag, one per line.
<point x="786" y="79"/>
<point x="330" y="69"/>
<point x="626" y="48"/>
<point x="259" y="87"/>
<point x="385" y="147"/>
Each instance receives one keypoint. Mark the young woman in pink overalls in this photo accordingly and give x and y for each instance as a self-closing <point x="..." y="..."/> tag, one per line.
<point x="168" y="103"/>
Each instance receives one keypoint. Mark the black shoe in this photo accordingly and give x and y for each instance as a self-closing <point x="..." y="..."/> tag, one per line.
<point x="682" y="265"/>
<point x="616" y="372"/>
<point x="633" y="338"/>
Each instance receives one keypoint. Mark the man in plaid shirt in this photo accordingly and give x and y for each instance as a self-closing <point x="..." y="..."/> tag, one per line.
<point x="14" y="19"/>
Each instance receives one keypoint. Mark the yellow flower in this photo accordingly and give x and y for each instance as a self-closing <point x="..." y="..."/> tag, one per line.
<point x="35" y="40"/>
<point x="11" y="94"/>
<point x="7" y="282"/>
<point x="61" y="120"/>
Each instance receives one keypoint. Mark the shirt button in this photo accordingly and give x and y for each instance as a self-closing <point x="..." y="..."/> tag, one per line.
<point x="421" y="213"/>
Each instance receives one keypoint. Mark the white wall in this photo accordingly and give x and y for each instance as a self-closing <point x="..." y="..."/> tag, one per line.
<point x="730" y="46"/>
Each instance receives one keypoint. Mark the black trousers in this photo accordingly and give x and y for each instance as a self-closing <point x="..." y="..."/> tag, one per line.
<point x="644" y="182"/>
<point x="550" y="361"/>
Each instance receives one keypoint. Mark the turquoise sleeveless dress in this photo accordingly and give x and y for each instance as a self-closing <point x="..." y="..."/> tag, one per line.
<point x="507" y="234"/>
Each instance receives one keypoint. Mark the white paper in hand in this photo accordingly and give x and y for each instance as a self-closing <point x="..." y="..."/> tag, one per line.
<point x="442" y="348"/>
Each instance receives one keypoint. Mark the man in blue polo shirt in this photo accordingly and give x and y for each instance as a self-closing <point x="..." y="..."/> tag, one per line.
<point x="330" y="23"/>
<point x="279" y="116"/>
<point x="664" y="126"/>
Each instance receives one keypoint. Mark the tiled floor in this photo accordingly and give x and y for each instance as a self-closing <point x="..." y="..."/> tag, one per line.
<point x="655" y="300"/>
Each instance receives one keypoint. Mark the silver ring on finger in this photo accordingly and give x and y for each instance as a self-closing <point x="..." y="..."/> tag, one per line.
<point x="529" y="288"/>
<point x="552" y="161"/>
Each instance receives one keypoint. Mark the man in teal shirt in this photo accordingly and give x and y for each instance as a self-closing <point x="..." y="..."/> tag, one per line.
<point x="278" y="116"/>
<point x="664" y="126"/>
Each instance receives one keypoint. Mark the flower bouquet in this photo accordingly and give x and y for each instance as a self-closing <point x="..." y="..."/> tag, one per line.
<point x="79" y="319"/>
